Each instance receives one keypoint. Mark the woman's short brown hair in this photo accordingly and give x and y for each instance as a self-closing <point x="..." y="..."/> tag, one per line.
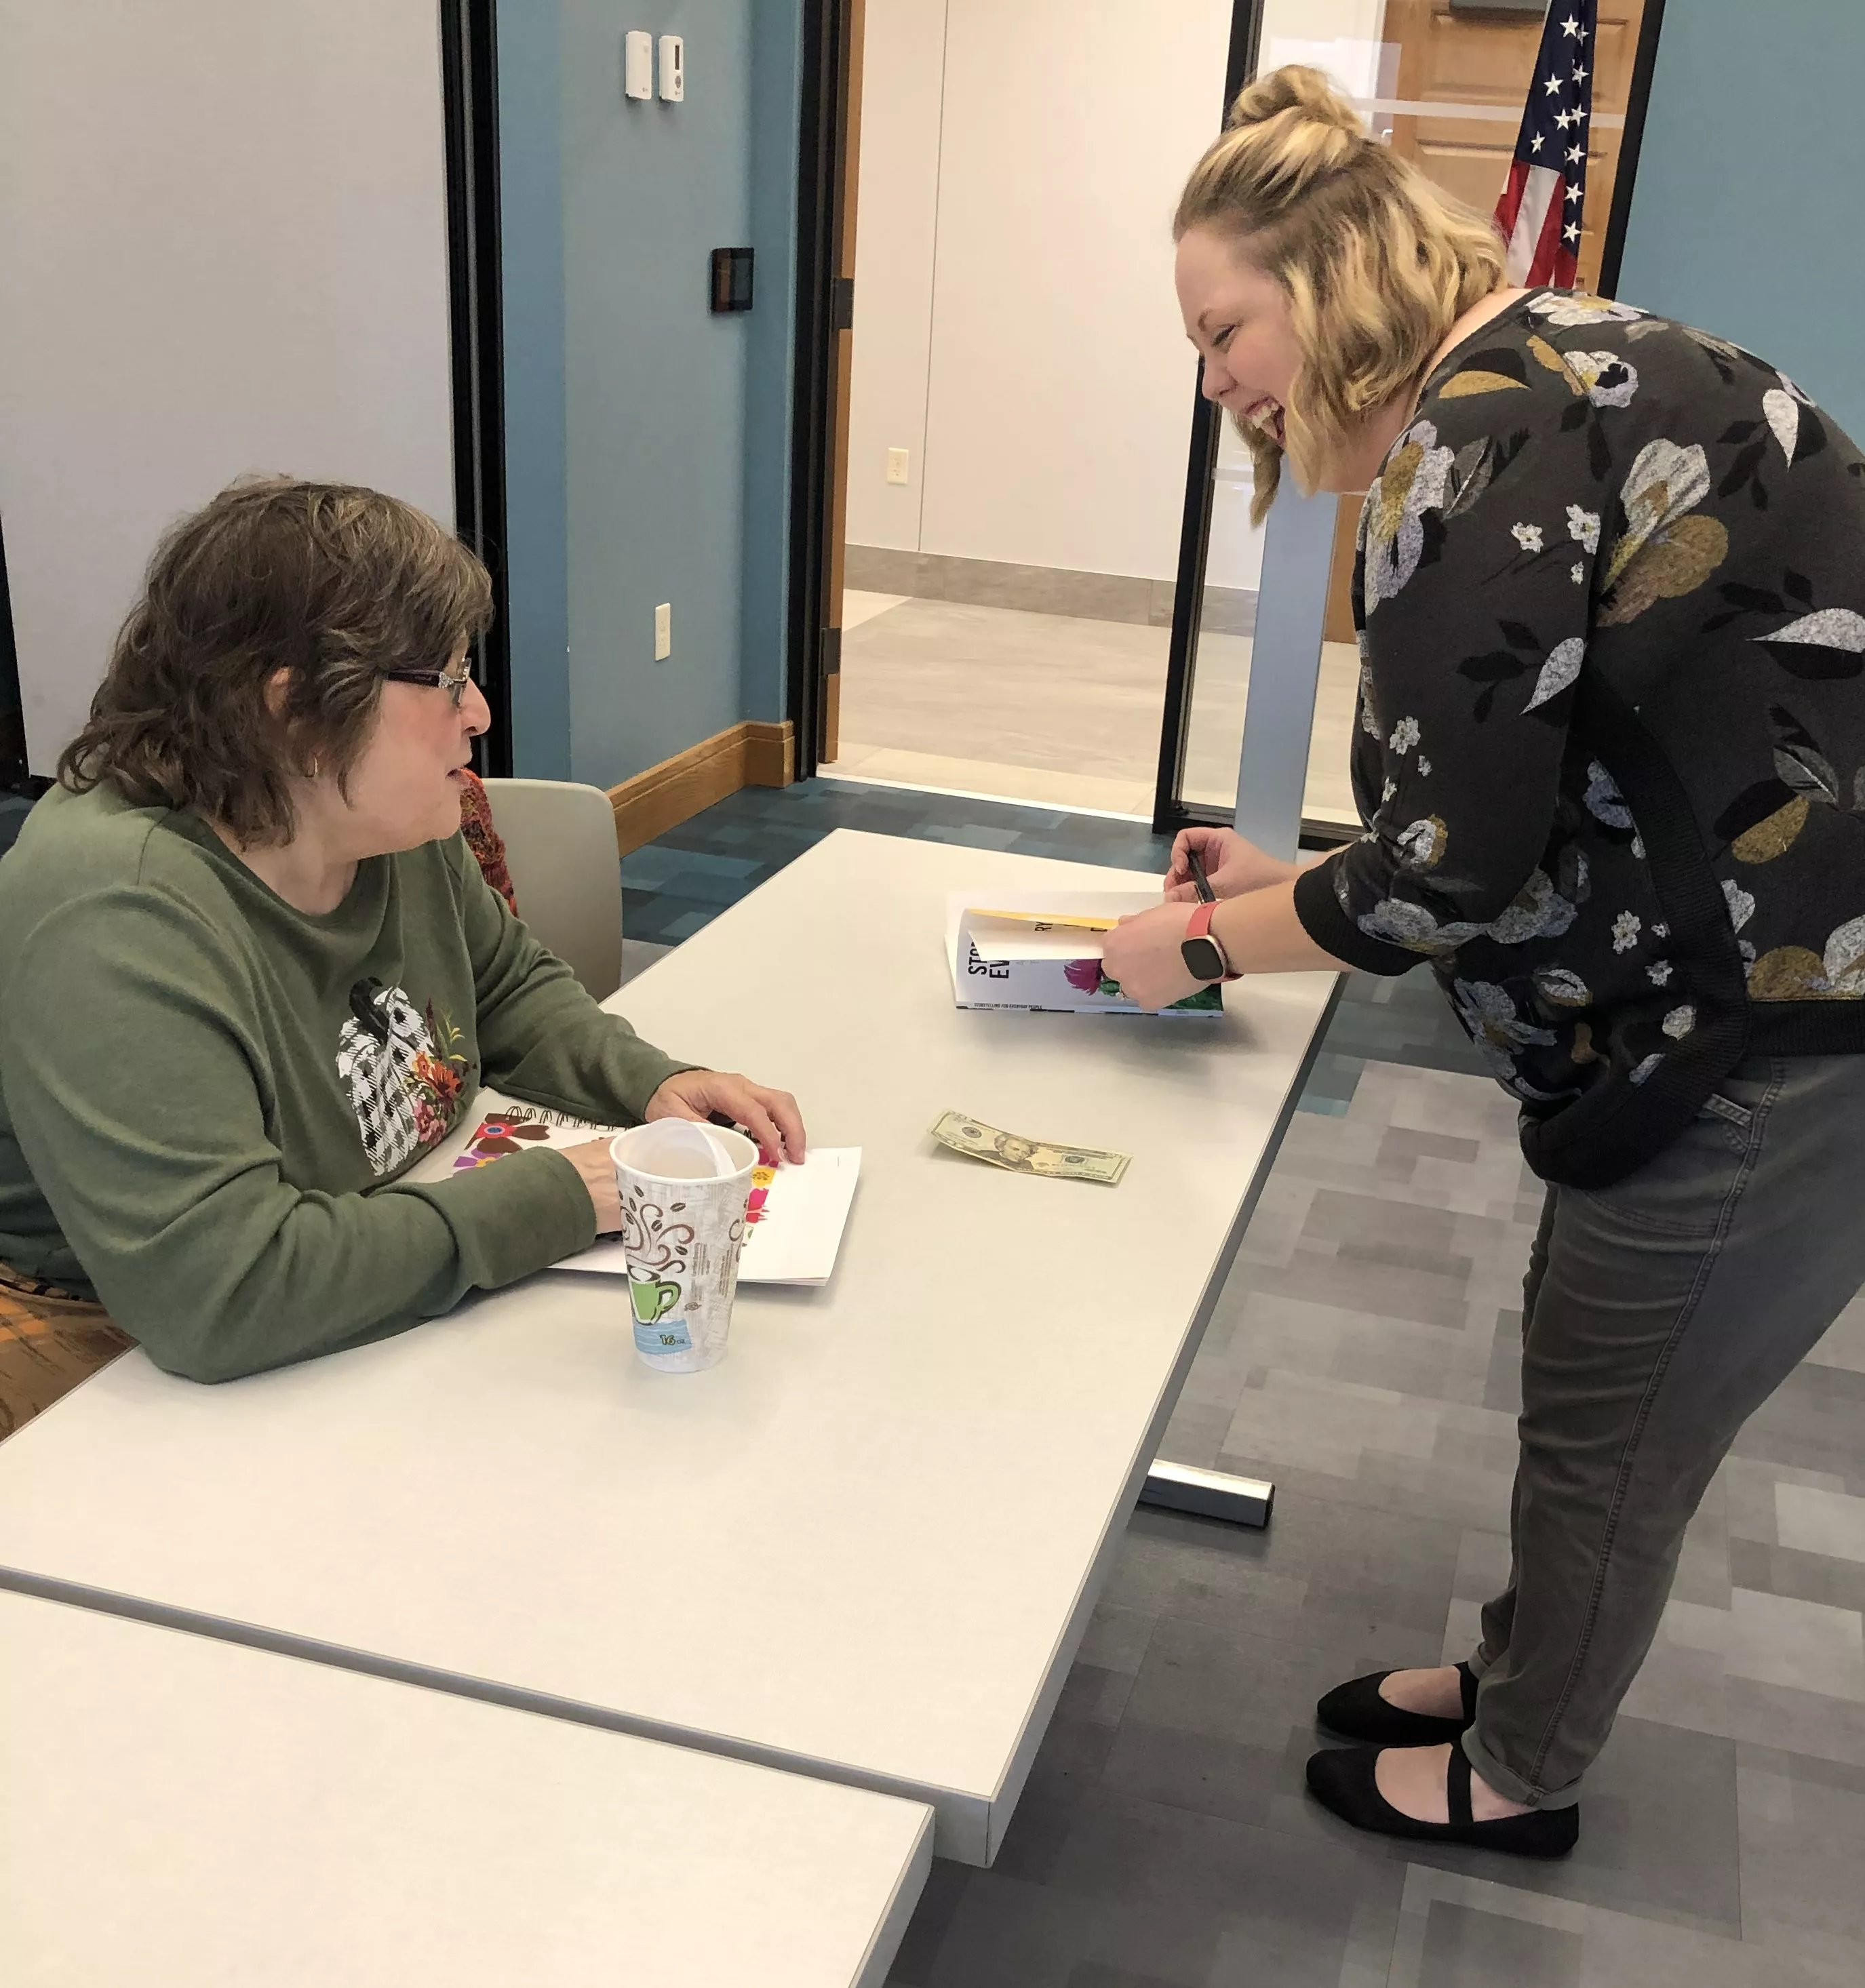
<point x="332" y="584"/>
<point x="1377" y="262"/>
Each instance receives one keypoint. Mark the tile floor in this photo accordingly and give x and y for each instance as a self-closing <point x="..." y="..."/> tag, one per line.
<point x="1363" y="1356"/>
<point x="1055" y="710"/>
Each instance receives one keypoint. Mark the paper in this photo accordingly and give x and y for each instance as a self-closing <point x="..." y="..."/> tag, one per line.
<point x="794" y="1222"/>
<point x="1045" y="920"/>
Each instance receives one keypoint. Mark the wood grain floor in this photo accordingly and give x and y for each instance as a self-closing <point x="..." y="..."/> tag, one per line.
<point x="1054" y="710"/>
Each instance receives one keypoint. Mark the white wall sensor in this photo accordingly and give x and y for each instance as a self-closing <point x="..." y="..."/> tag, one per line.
<point x="673" y="69"/>
<point x="637" y="64"/>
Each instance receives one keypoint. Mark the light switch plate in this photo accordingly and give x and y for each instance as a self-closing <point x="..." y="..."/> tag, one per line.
<point x="673" y="69"/>
<point x="637" y="65"/>
<point x="663" y="631"/>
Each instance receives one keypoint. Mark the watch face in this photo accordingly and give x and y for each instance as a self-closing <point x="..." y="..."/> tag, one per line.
<point x="1202" y="960"/>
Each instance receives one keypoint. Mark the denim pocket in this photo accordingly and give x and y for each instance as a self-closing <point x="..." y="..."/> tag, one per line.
<point x="1683" y="1190"/>
<point x="1738" y="1116"/>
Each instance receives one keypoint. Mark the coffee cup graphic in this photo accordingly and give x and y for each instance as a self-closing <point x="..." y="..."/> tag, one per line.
<point x="653" y="1300"/>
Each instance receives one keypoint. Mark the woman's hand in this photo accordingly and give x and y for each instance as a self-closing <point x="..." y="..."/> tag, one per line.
<point x="1142" y="954"/>
<point x="770" y="1117"/>
<point x="591" y="1160"/>
<point x="1232" y="865"/>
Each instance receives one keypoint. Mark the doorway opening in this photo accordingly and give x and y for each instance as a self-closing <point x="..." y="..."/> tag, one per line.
<point x="1004" y="539"/>
<point x="1008" y="580"/>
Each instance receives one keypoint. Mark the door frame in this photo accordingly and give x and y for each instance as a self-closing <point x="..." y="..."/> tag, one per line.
<point x="823" y="304"/>
<point x="469" y="91"/>
<point x="1170" y="814"/>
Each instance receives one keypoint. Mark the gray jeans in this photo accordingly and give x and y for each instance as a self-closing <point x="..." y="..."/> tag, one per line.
<point x="1658" y="1315"/>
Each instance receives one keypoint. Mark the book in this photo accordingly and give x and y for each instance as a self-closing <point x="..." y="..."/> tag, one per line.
<point x="793" y="1223"/>
<point x="1041" y="951"/>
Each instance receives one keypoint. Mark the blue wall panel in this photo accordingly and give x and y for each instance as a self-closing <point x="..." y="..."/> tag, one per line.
<point x="655" y="385"/>
<point x="531" y="228"/>
<point x="1743" y="217"/>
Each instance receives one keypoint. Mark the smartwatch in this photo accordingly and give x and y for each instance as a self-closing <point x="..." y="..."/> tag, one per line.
<point x="1203" y="957"/>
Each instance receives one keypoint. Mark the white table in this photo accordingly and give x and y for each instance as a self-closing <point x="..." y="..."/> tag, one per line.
<point x="864" y="1546"/>
<point x="181" y="1812"/>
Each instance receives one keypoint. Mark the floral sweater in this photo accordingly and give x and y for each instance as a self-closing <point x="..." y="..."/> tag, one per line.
<point x="1610" y="594"/>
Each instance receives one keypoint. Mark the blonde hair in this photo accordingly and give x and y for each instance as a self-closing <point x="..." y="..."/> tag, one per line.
<point x="1378" y="264"/>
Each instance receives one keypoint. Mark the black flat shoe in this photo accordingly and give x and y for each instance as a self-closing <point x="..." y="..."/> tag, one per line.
<point x="1342" y="1778"/>
<point x="1356" y="1710"/>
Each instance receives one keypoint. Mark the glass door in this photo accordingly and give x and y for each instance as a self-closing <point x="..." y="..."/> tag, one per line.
<point x="1264" y="673"/>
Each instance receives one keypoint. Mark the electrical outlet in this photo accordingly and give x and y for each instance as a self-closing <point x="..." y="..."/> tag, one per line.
<point x="896" y="465"/>
<point x="663" y="631"/>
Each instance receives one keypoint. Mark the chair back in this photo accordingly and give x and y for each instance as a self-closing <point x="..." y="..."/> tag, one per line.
<point x="559" y="846"/>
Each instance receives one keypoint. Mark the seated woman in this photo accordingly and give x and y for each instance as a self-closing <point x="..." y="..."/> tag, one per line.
<point x="252" y="975"/>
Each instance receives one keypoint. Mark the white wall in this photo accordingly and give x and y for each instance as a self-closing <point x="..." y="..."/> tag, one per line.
<point x="1028" y="256"/>
<point x="896" y="219"/>
<point x="1341" y="36"/>
<point x="223" y="245"/>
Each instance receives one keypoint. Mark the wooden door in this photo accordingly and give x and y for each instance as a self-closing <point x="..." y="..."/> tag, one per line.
<point x="1487" y="61"/>
<point x="829" y="744"/>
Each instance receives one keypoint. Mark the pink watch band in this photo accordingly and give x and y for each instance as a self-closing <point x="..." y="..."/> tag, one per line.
<point x="1199" y="927"/>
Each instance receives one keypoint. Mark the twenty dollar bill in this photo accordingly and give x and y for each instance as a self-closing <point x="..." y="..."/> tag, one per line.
<point x="1019" y="1155"/>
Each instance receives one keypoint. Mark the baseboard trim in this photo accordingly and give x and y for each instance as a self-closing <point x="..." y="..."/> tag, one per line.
<point x="1041" y="589"/>
<point x="750" y="754"/>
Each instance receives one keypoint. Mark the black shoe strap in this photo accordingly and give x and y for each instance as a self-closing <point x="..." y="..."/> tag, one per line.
<point x="1457" y="1787"/>
<point x="1467" y="1688"/>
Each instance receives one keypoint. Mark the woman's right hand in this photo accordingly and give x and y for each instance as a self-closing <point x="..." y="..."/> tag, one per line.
<point x="1233" y="866"/>
<point x="592" y="1160"/>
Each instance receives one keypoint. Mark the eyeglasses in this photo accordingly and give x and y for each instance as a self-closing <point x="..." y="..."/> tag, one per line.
<point x="454" y="685"/>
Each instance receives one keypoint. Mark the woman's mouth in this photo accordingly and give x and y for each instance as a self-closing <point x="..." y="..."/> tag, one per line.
<point x="1264" y="413"/>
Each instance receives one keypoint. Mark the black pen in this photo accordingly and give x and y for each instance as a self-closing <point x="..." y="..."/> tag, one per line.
<point x="1206" y="895"/>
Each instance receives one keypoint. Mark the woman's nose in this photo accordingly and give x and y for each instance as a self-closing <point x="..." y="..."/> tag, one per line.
<point x="1214" y="381"/>
<point x="476" y="712"/>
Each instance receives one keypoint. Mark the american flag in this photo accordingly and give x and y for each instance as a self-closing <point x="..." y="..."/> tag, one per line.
<point x="1539" y="211"/>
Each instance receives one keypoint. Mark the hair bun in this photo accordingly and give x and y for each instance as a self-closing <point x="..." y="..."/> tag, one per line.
<point x="1296" y="89"/>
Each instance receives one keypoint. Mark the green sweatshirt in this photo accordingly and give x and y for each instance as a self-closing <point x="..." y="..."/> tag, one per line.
<point x="208" y="1099"/>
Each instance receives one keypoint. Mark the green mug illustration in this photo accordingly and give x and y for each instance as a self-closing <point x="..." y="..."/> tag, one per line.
<point x="653" y="1300"/>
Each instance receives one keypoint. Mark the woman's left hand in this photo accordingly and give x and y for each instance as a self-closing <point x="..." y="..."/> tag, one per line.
<point x="770" y="1117"/>
<point x="1142" y="954"/>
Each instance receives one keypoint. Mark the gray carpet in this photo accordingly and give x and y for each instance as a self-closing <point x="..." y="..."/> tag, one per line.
<point x="1364" y="1357"/>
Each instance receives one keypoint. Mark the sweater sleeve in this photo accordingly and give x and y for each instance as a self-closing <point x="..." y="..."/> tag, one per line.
<point x="1476" y="566"/>
<point x="142" y="1101"/>
<point x="542" y="1038"/>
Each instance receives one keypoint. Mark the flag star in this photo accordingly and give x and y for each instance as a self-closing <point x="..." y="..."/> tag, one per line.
<point x="1574" y="192"/>
<point x="1580" y="75"/>
<point x="1571" y="231"/>
<point x="1563" y="118"/>
<point x="1571" y="26"/>
<point x="1536" y="142"/>
<point x="1553" y="85"/>
<point x="1575" y="155"/>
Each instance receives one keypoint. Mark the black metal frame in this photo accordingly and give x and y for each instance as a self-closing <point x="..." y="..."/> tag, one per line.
<point x="1644" y="61"/>
<point x="469" y="81"/>
<point x="822" y="138"/>
<point x="1169" y="812"/>
<point x="13" y="713"/>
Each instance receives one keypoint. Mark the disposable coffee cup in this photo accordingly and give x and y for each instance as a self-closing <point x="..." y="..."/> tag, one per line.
<point x="684" y="1189"/>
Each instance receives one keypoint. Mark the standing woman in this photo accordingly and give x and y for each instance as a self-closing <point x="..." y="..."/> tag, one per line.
<point x="1610" y="595"/>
